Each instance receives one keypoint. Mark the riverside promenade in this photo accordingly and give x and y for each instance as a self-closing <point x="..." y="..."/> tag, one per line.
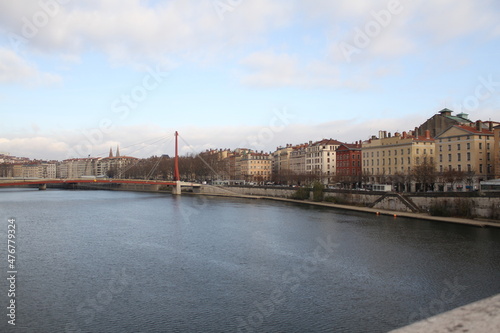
<point x="375" y="211"/>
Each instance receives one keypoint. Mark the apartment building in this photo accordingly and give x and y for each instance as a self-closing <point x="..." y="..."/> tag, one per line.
<point x="349" y="164"/>
<point x="281" y="161"/>
<point x="467" y="149"/>
<point x="496" y="151"/>
<point x="298" y="159"/>
<point x="256" y="167"/>
<point x="288" y="161"/>
<point x="321" y="159"/>
<point x="391" y="159"/>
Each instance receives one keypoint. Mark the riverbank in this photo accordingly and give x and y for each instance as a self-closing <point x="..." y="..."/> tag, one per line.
<point x="375" y="211"/>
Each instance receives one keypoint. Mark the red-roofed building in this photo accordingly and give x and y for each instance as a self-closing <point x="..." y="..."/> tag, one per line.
<point x="349" y="164"/>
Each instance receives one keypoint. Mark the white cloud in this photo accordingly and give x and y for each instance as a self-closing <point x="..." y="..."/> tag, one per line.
<point x="14" y="69"/>
<point x="267" y="69"/>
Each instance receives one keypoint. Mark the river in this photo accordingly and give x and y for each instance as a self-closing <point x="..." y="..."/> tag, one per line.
<point x="113" y="261"/>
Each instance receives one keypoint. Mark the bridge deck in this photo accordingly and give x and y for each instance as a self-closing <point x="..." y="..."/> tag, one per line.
<point x="22" y="182"/>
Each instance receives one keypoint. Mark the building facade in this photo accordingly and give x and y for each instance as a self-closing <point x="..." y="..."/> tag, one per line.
<point x="256" y="167"/>
<point x="391" y="159"/>
<point x="321" y="159"/>
<point x="349" y="165"/>
<point x="468" y="151"/>
<point x="496" y="151"/>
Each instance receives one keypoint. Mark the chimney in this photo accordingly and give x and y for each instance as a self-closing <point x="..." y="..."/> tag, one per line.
<point x="381" y="135"/>
<point x="397" y="134"/>
<point x="478" y="125"/>
<point x="427" y="134"/>
<point x="404" y="135"/>
<point x="389" y="134"/>
<point x="415" y="133"/>
<point x="490" y="126"/>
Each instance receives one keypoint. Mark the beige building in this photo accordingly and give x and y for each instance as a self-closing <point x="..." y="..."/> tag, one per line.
<point x="391" y="159"/>
<point x="289" y="161"/>
<point x="468" y="150"/>
<point x="256" y="167"/>
<point x="321" y="159"/>
<point x="298" y="159"/>
<point x="496" y="151"/>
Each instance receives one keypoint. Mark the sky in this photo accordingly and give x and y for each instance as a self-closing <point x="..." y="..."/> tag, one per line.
<point x="79" y="77"/>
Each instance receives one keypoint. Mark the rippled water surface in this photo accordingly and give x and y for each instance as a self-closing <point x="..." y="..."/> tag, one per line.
<point x="109" y="261"/>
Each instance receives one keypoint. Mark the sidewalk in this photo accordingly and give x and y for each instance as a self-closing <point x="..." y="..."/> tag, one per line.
<point x="421" y="216"/>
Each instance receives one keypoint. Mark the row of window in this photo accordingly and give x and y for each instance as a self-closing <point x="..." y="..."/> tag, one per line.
<point x="389" y="170"/>
<point x="459" y="146"/>
<point x="468" y="168"/>
<point x="367" y="154"/>
<point x="458" y="138"/>
<point x="345" y="164"/>
<point x="459" y="157"/>
<point x="402" y="160"/>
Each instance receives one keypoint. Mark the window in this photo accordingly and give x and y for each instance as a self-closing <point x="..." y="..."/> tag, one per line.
<point x="458" y="146"/>
<point x="468" y="156"/>
<point x="459" y="157"/>
<point x="395" y="152"/>
<point x="449" y="147"/>
<point x="469" y="168"/>
<point x="440" y="148"/>
<point x="468" y="145"/>
<point x="480" y="168"/>
<point x="480" y="145"/>
<point x="488" y="145"/>
<point x="449" y="157"/>
<point x="440" y="168"/>
<point x="440" y="157"/>
<point x="425" y="151"/>
<point x="460" y="167"/>
<point x="418" y="151"/>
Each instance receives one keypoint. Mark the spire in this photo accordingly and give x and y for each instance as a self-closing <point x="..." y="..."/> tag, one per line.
<point x="117" y="151"/>
<point x="110" y="152"/>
